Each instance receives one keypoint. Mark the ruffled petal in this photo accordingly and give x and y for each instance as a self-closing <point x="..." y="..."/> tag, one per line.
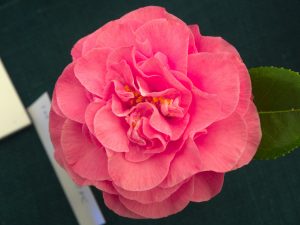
<point x="146" y="14"/>
<point x="175" y="203"/>
<point x="115" y="34"/>
<point x="120" y="71"/>
<point x="174" y="128"/>
<point x="159" y="142"/>
<point x="156" y="194"/>
<point x="139" y="176"/>
<point x="204" y="110"/>
<point x="169" y="38"/>
<point x="73" y="142"/>
<point x="87" y="159"/>
<point x="91" y="69"/>
<point x="185" y="164"/>
<point x="216" y="73"/>
<point x="196" y="35"/>
<point x="93" y="165"/>
<point x="54" y="104"/>
<point x="110" y="130"/>
<point x="90" y="113"/>
<point x="85" y="44"/>
<point x="222" y="146"/>
<point x="215" y="45"/>
<point x="206" y="186"/>
<point x="113" y="202"/>
<point x="77" y="48"/>
<point x="91" y="41"/>
<point x="245" y="89"/>
<point x="137" y="153"/>
<point x="105" y="186"/>
<point x="56" y="123"/>
<point x="118" y="107"/>
<point x="254" y="135"/>
<point x="71" y="95"/>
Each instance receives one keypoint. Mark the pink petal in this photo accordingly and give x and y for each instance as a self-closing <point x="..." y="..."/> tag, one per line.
<point x="87" y="159"/>
<point x="254" y="135"/>
<point x="145" y="14"/>
<point x="85" y="44"/>
<point x="178" y="126"/>
<point x="216" y="73"/>
<point x="71" y="95"/>
<point x="174" y="128"/>
<point x="118" y="107"/>
<point x="170" y="38"/>
<point x="113" y="202"/>
<point x="148" y="13"/>
<point x="120" y="54"/>
<point x="222" y="146"/>
<point x="54" y="104"/>
<point x="195" y="38"/>
<point x="91" y="41"/>
<point x="216" y="45"/>
<point x="90" y="113"/>
<point x="185" y="164"/>
<point x="157" y="139"/>
<point x="175" y="203"/>
<point x="136" y="153"/>
<point x="157" y="78"/>
<point x="124" y="56"/>
<point x="245" y="89"/>
<point x="121" y="71"/>
<point x="93" y="165"/>
<point x="105" y="186"/>
<point x="115" y="34"/>
<point x="154" y="84"/>
<point x="139" y="176"/>
<point x="77" y="48"/>
<point x="55" y="126"/>
<point x="206" y="186"/>
<point x="73" y="142"/>
<point x="115" y="86"/>
<point x="204" y="110"/>
<point x="90" y="70"/>
<point x="110" y="130"/>
<point x="156" y="194"/>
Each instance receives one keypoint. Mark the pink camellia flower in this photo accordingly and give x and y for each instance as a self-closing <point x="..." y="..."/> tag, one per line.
<point x="153" y="113"/>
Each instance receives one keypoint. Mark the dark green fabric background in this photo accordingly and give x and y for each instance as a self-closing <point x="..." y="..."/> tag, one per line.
<point x="35" y="40"/>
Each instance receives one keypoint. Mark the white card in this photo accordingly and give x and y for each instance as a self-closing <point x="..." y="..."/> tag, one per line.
<point x="81" y="199"/>
<point x="13" y="116"/>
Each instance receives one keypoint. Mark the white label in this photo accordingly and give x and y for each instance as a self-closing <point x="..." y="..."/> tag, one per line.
<point x="81" y="199"/>
<point x="13" y="116"/>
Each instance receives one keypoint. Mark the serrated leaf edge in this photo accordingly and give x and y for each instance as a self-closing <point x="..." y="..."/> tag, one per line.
<point x="278" y="156"/>
<point x="292" y="110"/>
<point x="275" y="67"/>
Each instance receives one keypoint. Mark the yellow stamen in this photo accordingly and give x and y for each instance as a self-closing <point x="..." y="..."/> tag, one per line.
<point x="163" y="100"/>
<point x="155" y="99"/>
<point x="139" y="99"/>
<point x="127" y="88"/>
<point x="136" y="94"/>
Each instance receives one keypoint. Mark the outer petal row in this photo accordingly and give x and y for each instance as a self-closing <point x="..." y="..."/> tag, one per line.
<point x="201" y="187"/>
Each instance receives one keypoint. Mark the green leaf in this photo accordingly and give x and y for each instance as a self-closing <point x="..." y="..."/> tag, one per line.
<point x="277" y="97"/>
